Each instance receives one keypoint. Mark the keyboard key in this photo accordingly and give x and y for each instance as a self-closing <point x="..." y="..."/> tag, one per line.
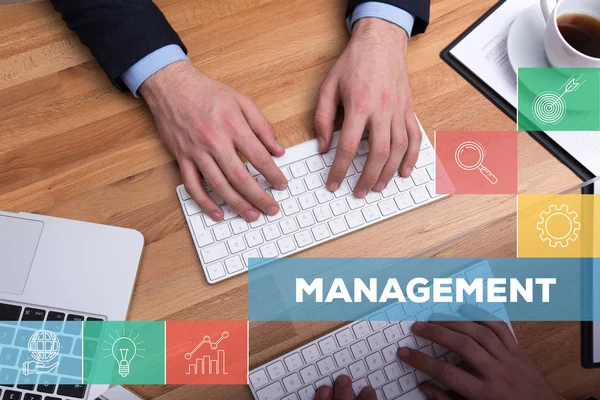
<point x="320" y="232"/>
<point x="419" y="195"/>
<point x="342" y="371"/>
<point x="275" y="217"/>
<point x="254" y="238"/>
<point x="208" y="221"/>
<point x="391" y="390"/>
<point x="305" y="220"/>
<point x="214" y="253"/>
<point x="76" y="390"/>
<point x="408" y="382"/>
<point x="342" y="357"/>
<point x="359" y="163"/>
<point x="191" y="207"/>
<point x="376" y="379"/>
<point x="272" y="392"/>
<point x="393" y="370"/>
<point x="238" y="226"/>
<point x="234" y="264"/>
<point x="303" y="238"/>
<point x="259" y="222"/>
<point x="323" y="195"/>
<point x="271" y="232"/>
<point x="280" y="195"/>
<point x="425" y="158"/>
<point x="276" y="370"/>
<point x="313" y="181"/>
<point x="344" y="337"/>
<point x="32" y="396"/>
<point x="203" y="236"/>
<point x="286" y="245"/>
<point x="419" y="177"/>
<point x="258" y="378"/>
<point x="422" y="376"/>
<point x="228" y="213"/>
<point x="253" y="171"/>
<point x="216" y="271"/>
<point x="293" y="362"/>
<point x="12" y="395"/>
<point x="309" y="374"/>
<point x="343" y="190"/>
<point x="404" y="201"/>
<point x="222" y="232"/>
<point x="338" y="207"/>
<point x="327" y="345"/>
<point x="361" y="329"/>
<point x="307" y="393"/>
<point x="372" y="197"/>
<point x="307" y="201"/>
<point x="9" y="312"/>
<point x="337" y="226"/>
<point x="359" y="349"/>
<point x="252" y="254"/>
<point x="298" y="169"/>
<point x="392" y="333"/>
<point x="292" y="382"/>
<point x="315" y="163"/>
<point x="371" y="213"/>
<point x="374" y="361"/>
<point x="359" y="385"/>
<point x="390" y="190"/>
<point x="286" y="172"/>
<point x="404" y="184"/>
<point x="431" y="190"/>
<point x="74" y="329"/>
<point x="326" y="366"/>
<point x="354" y="203"/>
<point x="33" y="314"/>
<point x="236" y="244"/>
<point x="326" y="381"/>
<point x="355" y="220"/>
<point x="9" y="356"/>
<point x="408" y="341"/>
<point x="184" y="194"/>
<point x="290" y="207"/>
<point x="322" y="213"/>
<point x="6" y="334"/>
<point x="47" y="384"/>
<point x="329" y="157"/>
<point x="357" y="369"/>
<point x="269" y="250"/>
<point x="263" y="182"/>
<point x="288" y="226"/>
<point x="387" y="207"/>
<point x="376" y="341"/>
<point x="310" y="353"/>
<point x="296" y="187"/>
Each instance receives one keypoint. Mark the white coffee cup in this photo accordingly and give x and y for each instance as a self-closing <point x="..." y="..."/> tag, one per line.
<point x="559" y="52"/>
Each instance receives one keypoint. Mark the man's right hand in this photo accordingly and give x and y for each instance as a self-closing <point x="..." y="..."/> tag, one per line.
<point x="204" y="123"/>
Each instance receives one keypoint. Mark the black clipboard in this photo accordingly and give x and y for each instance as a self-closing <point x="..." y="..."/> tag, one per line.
<point x="582" y="172"/>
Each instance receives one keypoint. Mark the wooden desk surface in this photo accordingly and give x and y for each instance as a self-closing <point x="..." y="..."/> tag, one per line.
<point x="72" y="146"/>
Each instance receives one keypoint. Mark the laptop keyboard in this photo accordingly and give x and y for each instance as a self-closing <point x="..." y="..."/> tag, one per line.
<point x="14" y="351"/>
<point x="309" y="215"/>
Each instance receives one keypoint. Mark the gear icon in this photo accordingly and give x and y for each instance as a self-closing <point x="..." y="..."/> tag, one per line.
<point x="558" y="226"/>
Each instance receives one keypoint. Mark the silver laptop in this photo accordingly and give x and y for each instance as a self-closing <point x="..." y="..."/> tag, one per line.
<point x="54" y="270"/>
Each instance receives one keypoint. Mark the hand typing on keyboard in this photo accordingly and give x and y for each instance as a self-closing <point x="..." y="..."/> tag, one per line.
<point x="371" y="80"/>
<point x="498" y="368"/>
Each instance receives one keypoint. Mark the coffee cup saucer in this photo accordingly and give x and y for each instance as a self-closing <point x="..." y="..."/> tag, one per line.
<point x="526" y="40"/>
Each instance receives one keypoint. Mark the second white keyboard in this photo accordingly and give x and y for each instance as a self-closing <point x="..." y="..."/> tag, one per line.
<point x="309" y="215"/>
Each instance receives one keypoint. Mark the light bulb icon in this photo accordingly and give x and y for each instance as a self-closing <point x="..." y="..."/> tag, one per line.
<point x="124" y="351"/>
<point x="124" y="347"/>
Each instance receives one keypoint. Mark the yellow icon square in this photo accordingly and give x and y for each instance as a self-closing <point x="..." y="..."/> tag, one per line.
<point x="555" y="226"/>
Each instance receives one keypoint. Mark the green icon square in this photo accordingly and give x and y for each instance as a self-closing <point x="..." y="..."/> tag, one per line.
<point x="559" y="99"/>
<point x="124" y="352"/>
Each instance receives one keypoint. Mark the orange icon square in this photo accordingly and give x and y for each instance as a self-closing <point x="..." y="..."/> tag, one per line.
<point x="207" y="352"/>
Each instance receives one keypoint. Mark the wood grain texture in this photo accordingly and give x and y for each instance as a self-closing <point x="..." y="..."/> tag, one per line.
<point x="72" y="146"/>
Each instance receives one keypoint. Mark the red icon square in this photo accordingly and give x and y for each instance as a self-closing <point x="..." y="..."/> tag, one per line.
<point x="476" y="162"/>
<point x="207" y="352"/>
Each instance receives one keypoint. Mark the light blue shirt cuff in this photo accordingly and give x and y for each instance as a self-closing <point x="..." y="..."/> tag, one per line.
<point x="375" y="9"/>
<point x="150" y="64"/>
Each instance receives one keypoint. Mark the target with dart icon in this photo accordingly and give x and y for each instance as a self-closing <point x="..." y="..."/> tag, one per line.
<point x="550" y="108"/>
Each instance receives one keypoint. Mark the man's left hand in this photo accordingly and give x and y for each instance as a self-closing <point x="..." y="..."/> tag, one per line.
<point x="370" y="79"/>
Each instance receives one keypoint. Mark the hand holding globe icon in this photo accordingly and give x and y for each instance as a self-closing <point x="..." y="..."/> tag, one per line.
<point x="44" y="347"/>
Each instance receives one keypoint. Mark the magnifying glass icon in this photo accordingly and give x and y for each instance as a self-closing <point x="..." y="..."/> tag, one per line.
<point x="469" y="156"/>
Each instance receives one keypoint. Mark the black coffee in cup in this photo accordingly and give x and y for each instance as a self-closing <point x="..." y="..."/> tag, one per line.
<point x="582" y="32"/>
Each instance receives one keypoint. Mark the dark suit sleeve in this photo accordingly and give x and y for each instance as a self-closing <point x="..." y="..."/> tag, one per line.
<point x="118" y="32"/>
<point x="418" y="8"/>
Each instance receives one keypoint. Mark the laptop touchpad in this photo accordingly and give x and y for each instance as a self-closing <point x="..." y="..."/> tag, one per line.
<point x="19" y="239"/>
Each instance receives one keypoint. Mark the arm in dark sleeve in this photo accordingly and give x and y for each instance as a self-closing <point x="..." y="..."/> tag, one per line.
<point x="118" y="32"/>
<point x="418" y="8"/>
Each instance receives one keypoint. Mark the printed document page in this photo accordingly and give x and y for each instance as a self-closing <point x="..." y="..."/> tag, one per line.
<point x="484" y="52"/>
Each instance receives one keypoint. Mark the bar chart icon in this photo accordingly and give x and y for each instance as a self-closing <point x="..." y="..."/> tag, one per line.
<point x="206" y="364"/>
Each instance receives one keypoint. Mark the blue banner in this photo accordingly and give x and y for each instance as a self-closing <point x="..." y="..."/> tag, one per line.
<point x="333" y="289"/>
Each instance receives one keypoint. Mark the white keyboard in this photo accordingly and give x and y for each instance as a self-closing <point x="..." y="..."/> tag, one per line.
<point x="365" y="351"/>
<point x="309" y="214"/>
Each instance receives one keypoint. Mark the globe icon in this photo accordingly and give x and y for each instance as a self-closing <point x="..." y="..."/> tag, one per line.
<point x="43" y="346"/>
